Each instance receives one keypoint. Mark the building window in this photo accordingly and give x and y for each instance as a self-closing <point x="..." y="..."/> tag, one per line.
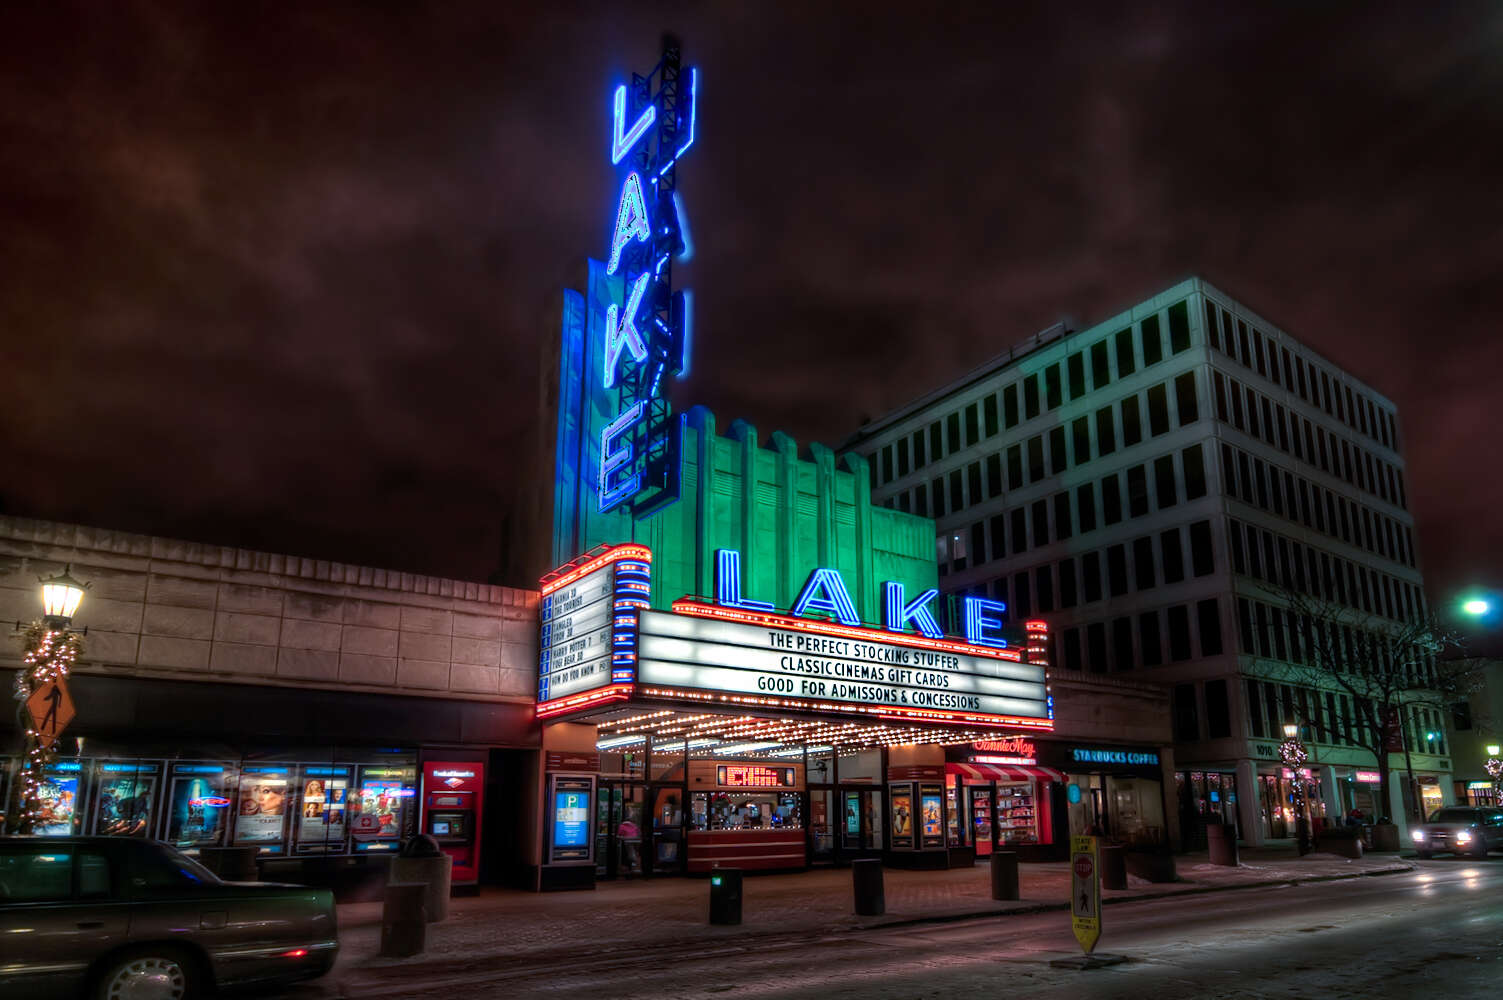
<point x="1080" y="433"/>
<point x="1142" y="562"/>
<point x="1218" y="710"/>
<point x="937" y="494"/>
<point x="972" y="425"/>
<point x="1137" y="491"/>
<point x="1172" y="555"/>
<point x="1186" y="717"/>
<point x="921" y="500"/>
<point x="1019" y="531"/>
<point x="1125" y="361"/>
<point x="1053" y="390"/>
<point x="1209" y="615"/>
<point x="1036" y="458"/>
<point x="1062" y="526"/>
<point x="1044" y="578"/>
<point x="902" y="457"/>
<point x="1195" y="472"/>
<point x="887" y="476"/>
<point x="1153" y="342"/>
<point x="1111" y="500"/>
<point x="1096" y="647"/>
<point x="1085" y="506"/>
<point x="1179" y="327"/>
<point x="1179" y="633"/>
<point x="973" y="480"/>
<point x="1040" y="523"/>
<point x="994" y="475"/>
<point x="1202" y="562"/>
<point x="1255" y="708"/>
<point x="1010" y="405"/>
<point x="936" y="447"/>
<point x="1116" y="570"/>
<point x="1021" y="598"/>
<point x="1148" y="639"/>
<point x="1213" y="336"/>
<point x="1122" y="643"/>
<point x="1101" y="370"/>
<point x="989" y="414"/>
<point x="1158" y="410"/>
<point x="957" y="498"/>
<point x="1186" y="399"/>
<point x="1072" y="649"/>
<point x="1106" y="437"/>
<point x="999" y="530"/>
<point x="1058" y="459"/>
<point x="1132" y="423"/>
<point x="1068" y="597"/>
<point x="1164" y="482"/>
<point x="1030" y="396"/>
<point x="1015" y="467"/>
<point x="1075" y="366"/>
<point x="978" y="543"/>
<point x="952" y="432"/>
<point x="1090" y="576"/>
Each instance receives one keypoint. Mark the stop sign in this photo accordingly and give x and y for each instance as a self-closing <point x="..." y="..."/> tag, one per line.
<point x="1083" y="866"/>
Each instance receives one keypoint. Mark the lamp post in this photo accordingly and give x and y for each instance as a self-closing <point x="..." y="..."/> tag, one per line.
<point x="1294" y="755"/>
<point x="51" y="648"/>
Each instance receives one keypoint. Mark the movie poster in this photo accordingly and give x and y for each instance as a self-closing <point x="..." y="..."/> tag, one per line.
<point x="122" y="804"/>
<point x="323" y="799"/>
<point x="932" y="816"/>
<point x="261" y="813"/>
<point x="59" y="802"/>
<point x="380" y="807"/>
<point x="198" y="813"/>
<point x="902" y="819"/>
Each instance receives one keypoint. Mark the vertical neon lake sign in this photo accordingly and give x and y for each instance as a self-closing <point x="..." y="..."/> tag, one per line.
<point x="647" y="333"/>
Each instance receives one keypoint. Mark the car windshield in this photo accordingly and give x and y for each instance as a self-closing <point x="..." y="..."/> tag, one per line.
<point x="1454" y="816"/>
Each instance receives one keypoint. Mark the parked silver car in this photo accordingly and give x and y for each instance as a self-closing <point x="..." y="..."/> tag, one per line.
<point x="1460" y="830"/>
<point x="114" y="917"/>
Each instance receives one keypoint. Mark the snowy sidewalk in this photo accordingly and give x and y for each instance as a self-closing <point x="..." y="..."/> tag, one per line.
<point x="510" y="928"/>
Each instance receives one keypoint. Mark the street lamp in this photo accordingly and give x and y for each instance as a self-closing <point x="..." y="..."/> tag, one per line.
<point x="1294" y="755"/>
<point x="1476" y="607"/>
<point x="61" y="596"/>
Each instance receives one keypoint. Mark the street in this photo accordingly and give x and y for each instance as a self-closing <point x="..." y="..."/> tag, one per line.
<point x="1437" y="930"/>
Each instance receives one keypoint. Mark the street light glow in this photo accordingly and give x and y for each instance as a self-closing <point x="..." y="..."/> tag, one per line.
<point x="1476" y="606"/>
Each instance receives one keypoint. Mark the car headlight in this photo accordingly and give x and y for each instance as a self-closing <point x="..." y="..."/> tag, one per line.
<point x="1463" y="837"/>
<point x="1417" y="834"/>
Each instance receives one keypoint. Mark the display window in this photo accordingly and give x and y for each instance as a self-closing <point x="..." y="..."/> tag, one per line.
<point x="1017" y="816"/>
<point x="59" y="800"/>
<point x="382" y="809"/>
<point x="125" y="797"/>
<point x="323" y="803"/>
<point x="198" y="805"/>
<point x="760" y="810"/>
<point x="265" y="800"/>
<point x="981" y="819"/>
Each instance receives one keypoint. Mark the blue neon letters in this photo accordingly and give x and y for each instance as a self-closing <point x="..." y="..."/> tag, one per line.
<point x="728" y="582"/>
<point x="632" y="222"/>
<point x="899" y="614"/>
<point x="621" y="331"/>
<point x="612" y="493"/>
<point x="982" y="616"/>
<point x="826" y="591"/>
<point x="622" y="144"/>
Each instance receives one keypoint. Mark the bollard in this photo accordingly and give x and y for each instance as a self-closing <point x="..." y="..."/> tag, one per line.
<point x="1005" y="875"/>
<point x="725" y="896"/>
<point x="404" y="926"/>
<point x="1113" y="866"/>
<point x="1221" y="840"/>
<point x="866" y="882"/>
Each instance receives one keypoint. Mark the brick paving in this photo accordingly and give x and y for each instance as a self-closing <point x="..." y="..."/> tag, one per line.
<point x="633" y="917"/>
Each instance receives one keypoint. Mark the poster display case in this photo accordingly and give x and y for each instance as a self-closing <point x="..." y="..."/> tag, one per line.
<point x="266" y="799"/>
<point x="383" y="809"/>
<point x="198" y="805"/>
<point x="62" y="786"/>
<point x="125" y="797"/>
<point x="323" y="802"/>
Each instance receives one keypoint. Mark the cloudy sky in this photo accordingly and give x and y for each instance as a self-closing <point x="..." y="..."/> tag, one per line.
<point x="280" y="276"/>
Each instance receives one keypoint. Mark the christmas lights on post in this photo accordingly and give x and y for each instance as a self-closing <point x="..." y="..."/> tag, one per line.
<point x="51" y="648"/>
<point x="1295" y="757"/>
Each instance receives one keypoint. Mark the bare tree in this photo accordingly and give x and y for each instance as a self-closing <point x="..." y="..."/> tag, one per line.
<point x="1386" y="667"/>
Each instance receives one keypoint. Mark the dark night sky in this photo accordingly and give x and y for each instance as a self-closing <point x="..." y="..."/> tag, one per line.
<point x="280" y="277"/>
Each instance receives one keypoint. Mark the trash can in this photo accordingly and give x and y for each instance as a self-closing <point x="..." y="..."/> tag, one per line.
<point x="1005" y="875"/>
<point x="422" y="860"/>
<point x="725" y="896"/>
<point x="1222" y="843"/>
<point x="404" y="929"/>
<point x="1113" y="866"/>
<point x="866" y="883"/>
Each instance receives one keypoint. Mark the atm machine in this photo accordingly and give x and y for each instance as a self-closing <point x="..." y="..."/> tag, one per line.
<point x="452" y="798"/>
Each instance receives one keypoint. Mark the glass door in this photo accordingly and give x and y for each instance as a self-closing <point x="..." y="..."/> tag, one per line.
<point x="861" y="821"/>
<point x="669" y="855"/>
<point x="824" y="806"/>
<point x="981" y="819"/>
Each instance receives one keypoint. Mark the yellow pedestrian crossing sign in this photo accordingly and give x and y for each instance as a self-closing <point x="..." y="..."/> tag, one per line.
<point x="1085" y="891"/>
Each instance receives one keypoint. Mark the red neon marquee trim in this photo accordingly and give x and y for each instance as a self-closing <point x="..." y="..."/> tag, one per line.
<point x="701" y="610"/>
<point x="553" y="581"/>
<point x="886" y="712"/>
<point x="585" y="699"/>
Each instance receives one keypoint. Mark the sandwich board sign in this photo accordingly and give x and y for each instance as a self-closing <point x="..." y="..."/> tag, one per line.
<point x="1085" y="891"/>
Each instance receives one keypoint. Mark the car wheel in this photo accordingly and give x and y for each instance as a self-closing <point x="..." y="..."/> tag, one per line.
<point x="149" y="974"/>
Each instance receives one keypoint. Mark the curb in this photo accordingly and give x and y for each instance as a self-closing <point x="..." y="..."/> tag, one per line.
<point x="1027" y="909"/>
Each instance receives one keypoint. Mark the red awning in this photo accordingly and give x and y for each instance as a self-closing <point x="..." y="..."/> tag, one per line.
<point x="1004" y="772"/>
